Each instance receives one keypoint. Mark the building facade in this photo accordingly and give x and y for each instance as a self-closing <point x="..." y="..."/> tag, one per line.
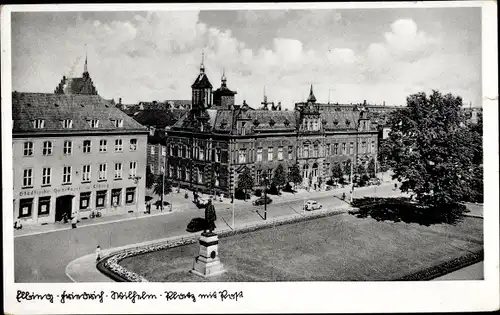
<point x="214" y="142"/>
<point x="75" y="153"/>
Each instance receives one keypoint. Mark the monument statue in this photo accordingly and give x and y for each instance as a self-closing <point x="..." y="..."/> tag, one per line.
<point x="207" y="263"/>
<point x="210" y="217"/>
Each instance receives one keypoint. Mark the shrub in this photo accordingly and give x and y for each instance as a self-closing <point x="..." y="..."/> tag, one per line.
<point x="258" y="192"/>
<point x="330" y="182"/>
<point x="288" y="188"/>
<point x="273" y="190"/>
<point x="240" y="194"/>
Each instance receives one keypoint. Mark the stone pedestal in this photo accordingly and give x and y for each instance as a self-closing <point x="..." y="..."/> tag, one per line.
<point x="207" y="263"/>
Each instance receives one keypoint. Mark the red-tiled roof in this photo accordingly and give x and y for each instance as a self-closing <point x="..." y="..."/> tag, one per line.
<point x="54" y="108"/>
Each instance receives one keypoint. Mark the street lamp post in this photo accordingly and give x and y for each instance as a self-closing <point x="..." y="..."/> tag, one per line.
<point x="265" y="197"/>
<point x="233" y="197"/>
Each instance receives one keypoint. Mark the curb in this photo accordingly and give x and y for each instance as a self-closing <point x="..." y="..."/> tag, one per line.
<point x="110" y="267"/>
<point x="445" y="268"/>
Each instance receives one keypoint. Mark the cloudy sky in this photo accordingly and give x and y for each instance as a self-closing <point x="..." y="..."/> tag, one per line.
<point x="351" y="54"/>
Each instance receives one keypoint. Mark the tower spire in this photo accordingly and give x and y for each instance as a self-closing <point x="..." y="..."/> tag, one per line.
<point x="85" y="69"/>
<point x="223" y="78"/>
<point x="311" y="97"/>
<point x="202" y="66"/>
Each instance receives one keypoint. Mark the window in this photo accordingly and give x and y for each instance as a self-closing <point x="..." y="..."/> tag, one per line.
<point x="343" y="149"/>
<point x="68" y="147"/>
<point x="47" y="148"/>
<point x="170" y="171"/>
<point x="269" y="174"/>
<point x="28" y="177"/>
<point x="103" y="174"/>
<point x="133" y="144"/>
<point x="199" y="175"/>
<point x="188" y="174"/>
<point x="280" y="153"/>
<point x="46" y="175"/>
<point x="335" y="148"/>
<point x="152" y="150"/>
<point x="363" y="147"/>
<point x="259" y="177"/>
<point x="373" y="147"/>
<point x="93" y="123"/>
<point x="118" y="123"/>
<point x="259" y="155"/>
<point x="28" y="148"/>
<point x="25" y="207"/>
<point x="66" y="175"/>
<point x="242" y="156"/>
<point x="85" y="200"/>
<point x="130" y="195"/>
<point x="100" y="200"/>
<point x="118" y="170"/>
<point x="315" y="151"/>
<point x="87" y="144"/>
<point x="201" y="153"/>
<point x="116" y="196"/>
<point x="328" y="147"/>
<point x="243" y="130"/>
<point x="43" y="205"/>
<point x="270" y="153"/>
<point x="103" y="145"/>
<point x="38" y="123"/>
<point x="217" y="176"/>
<point x="118" y="145"/>
<point x="86" y="173"/>
<point x="217" y="155"/>
<point x="133" y="169"/>
<point x="351" y="148"/>
<point x="179" y="172"/>
<point x="290" y="152"/>
<point x="306" y="151"/>
<point x="67" y="123"/>
<point x="164" y="151"/>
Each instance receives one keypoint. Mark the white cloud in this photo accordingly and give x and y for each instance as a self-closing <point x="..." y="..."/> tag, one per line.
<point x="157" y="57"/>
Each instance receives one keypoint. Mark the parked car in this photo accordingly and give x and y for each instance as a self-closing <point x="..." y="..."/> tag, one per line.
<point x="312" y="205"/>
<point x="262" y="200"/>
<point x="196" y="225"/>
<point x="374" y="181"/>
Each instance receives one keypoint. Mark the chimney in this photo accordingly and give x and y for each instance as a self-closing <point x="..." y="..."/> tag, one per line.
<point x="383" y="104"/>
<point x="364" y="102"/>
<point x="120" y="101"/>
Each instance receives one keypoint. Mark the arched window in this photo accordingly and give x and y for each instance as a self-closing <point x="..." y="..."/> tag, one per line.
<point x="315" y="170"/>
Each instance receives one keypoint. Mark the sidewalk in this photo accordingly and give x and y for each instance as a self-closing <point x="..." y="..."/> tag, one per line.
<point x="84" y="268"/>
<point x="179" y="203"/>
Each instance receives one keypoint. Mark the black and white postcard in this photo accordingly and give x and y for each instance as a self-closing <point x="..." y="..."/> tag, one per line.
<point x="248" y="158"/>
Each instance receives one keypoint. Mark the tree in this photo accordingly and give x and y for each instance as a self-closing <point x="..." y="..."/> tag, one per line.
<point x="361" y="169"/>
<point x="245" y="181"/>
<point x="150" y="178"/>
<point x="279" y="178"/>
<point x="429" y="149"/>
<point x="294" y="175"/>
<point x="337" y="171"/>
<point x="347" y="169"/>
<point x="158" y="188"/>
<point x="371" y="168"/>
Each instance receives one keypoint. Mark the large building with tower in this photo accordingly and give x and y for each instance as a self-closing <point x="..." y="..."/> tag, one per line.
<point x="75" y="152"/>
<point x="216" y="139"/>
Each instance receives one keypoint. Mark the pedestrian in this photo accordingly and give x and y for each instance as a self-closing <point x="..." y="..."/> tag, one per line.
<point x="18" y="225"/>
<point x="98" y="253"/>
<point x="343" y="196"/>
<point x="157" y="204"/>
<point x="74" y="220"/>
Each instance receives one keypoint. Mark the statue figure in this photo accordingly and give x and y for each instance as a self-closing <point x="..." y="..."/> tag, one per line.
<point x="210" y="216"/>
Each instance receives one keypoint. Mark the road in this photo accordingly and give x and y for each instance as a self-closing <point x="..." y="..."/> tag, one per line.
<point x="44" y="257"/>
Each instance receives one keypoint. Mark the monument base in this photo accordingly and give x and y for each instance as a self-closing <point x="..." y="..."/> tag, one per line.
<point x="207" y="263"/>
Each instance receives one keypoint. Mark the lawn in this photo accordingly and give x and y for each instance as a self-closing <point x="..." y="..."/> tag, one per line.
<point x="335" y="248"/>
